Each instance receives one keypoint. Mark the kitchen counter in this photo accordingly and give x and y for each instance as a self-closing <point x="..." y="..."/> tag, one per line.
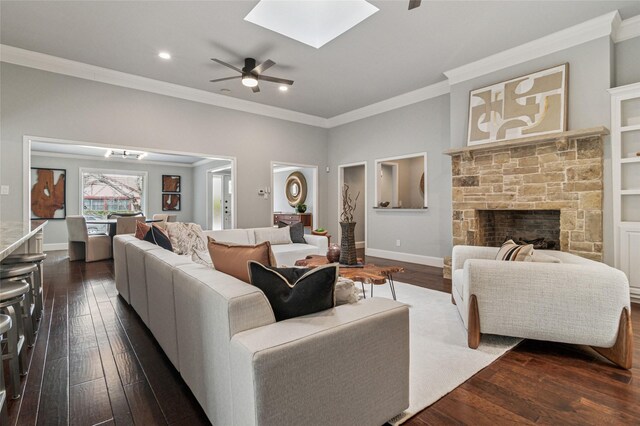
<point x="13" y="235"/>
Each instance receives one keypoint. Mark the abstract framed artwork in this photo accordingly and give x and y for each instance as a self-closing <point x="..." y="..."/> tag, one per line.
<point x="48" y="193"/>
<point x="170" y="183"/>
<point x="534" y="104"/>
<point x="170" y="202"/>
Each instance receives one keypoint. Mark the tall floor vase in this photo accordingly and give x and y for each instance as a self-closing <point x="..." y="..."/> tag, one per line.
<point x="348" y="244"/>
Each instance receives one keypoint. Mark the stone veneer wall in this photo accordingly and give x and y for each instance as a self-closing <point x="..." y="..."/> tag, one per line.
<point x="564" y="175"/>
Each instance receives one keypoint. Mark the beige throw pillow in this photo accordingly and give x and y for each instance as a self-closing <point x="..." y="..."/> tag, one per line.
<point x="233" y="259"/>
<point x="510" y="251"/>
<point x="273" y="235"/>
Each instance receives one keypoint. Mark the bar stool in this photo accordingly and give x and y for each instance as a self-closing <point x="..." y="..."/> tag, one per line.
<point x="5" y="326"/>
<point x="15" y="292"/>
<point x="38" y="283"/>
<point x="13" y="279"/>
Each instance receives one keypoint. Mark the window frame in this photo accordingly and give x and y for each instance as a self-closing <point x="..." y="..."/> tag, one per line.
<point x="145" y="183"/>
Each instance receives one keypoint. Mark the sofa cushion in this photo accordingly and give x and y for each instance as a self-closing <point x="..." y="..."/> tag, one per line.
<point x="457" y="279"/>
<point x="235" y="236"/>
<point x="232" y="258"/>
<point x="510" y="251"/>
<point x="287" y="254"/>
<point x="544" y="258"/>
<point x="273" y="235"/>
<point x="296" y="231"/>
<point x="294" y="292"/>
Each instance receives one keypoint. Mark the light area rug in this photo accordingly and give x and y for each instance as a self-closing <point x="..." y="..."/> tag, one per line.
<point x="439" y="356"/>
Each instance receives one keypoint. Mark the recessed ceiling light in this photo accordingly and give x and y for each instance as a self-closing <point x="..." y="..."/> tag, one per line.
<point x="165" y="55"/>
<point x="225" y="91"/>
<point x="283" y="88"/>
<point x="311" y="22"/>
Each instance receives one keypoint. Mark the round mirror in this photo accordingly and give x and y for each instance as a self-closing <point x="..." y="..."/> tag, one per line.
<point x="296" y="189"/>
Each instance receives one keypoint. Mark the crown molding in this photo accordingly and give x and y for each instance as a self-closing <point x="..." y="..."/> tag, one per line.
<point x="110" y="160"/>
<point x="44" y="62"/>
<point x="592" y="29"/>
<point x="628" y="29"/>
<point x="409" y="98"/>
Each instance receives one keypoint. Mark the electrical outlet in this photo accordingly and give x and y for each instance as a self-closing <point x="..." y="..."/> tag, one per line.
<point x="397" y="243"/>
<point x="4" y="190"/>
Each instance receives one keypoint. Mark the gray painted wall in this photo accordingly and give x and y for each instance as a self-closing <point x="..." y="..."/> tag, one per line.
<point x="355" y="177"/>
<point x="590" y="75"/>
<point x="57" y="229"/>
<point x="627" y="62"/>
<point x="51" y="105"/>
<point x="420" y="127"/>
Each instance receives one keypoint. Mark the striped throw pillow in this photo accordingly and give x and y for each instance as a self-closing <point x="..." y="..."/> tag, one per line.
<point x="511" y="251"/>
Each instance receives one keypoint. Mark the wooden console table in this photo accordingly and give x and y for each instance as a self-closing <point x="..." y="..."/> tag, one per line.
<point x="291" y="218"/>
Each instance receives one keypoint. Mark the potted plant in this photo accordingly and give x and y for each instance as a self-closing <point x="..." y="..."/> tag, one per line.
<point x="348" y="242"/>
<point x="301" y="208"/>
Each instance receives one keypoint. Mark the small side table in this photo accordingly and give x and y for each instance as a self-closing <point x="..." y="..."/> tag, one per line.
<point x="322" y="235"/>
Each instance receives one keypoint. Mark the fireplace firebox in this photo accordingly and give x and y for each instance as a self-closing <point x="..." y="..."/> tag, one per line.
<point x="538" y="227"/>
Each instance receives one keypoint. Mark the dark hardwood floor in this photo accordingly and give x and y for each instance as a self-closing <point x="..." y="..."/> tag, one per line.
<point x="95" y="362"/>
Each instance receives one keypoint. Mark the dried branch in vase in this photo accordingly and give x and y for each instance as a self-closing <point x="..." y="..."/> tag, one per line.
<point x="348" y="205"/>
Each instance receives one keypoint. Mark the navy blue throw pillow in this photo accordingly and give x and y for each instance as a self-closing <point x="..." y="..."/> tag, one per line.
<point x="157" y="236"/>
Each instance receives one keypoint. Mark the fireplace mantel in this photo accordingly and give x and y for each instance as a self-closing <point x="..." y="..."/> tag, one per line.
<point x="532" y="140"/>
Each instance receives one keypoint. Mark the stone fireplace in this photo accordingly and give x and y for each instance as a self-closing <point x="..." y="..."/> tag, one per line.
<point x="553" y="180"/>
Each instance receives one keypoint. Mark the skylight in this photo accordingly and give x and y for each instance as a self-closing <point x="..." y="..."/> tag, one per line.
<point x="312" y="22"/>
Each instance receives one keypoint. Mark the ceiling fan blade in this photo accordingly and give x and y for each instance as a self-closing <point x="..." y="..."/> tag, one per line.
<point x="255" y="89"/>
<point x="275" y="79"/>
<point x="414" y="3"/>
<point x="263" y="66"/>
<point x="227" y="65"/>
<point x="226" y="78"/>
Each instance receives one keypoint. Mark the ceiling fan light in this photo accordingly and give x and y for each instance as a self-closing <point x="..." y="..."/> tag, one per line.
<point x="249" y="81"/>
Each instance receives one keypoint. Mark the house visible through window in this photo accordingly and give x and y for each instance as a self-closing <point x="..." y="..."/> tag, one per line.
<point x="112" y="191"/>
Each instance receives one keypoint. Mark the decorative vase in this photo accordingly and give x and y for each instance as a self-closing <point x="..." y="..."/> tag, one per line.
<point x="333" y="254"/>
<point x="348" y="244"/>
<point x="301" y="208"/>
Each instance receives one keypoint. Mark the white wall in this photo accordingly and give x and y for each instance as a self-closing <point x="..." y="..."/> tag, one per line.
<point x="40" y="103"/>
<point x="627" y="62"/>
<point x="280" y="202"/>
<point x="416" y="128"/>
<point x="57" y="229"/>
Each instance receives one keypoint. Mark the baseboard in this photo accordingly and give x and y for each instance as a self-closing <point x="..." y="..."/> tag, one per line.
<point x="635" y="295"/>
<point x="55" y="246"/>
<point x="406" y="257"/>
<point x="360" y="244"/>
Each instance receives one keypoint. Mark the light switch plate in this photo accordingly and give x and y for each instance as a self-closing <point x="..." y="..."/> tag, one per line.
<point x="4" y="189"/>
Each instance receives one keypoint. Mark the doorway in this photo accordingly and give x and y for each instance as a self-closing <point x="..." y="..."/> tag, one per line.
<point x="220" y="195"/>
<point x="355" y="175"/>
<point x="295" y="185"/>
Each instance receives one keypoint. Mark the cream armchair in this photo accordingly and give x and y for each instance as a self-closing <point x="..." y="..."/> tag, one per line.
<point x="577" y="301"/>
<point x="85" y="246"/>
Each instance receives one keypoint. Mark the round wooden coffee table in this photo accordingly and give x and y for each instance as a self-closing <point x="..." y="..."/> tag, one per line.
<point x="367" y="274"/>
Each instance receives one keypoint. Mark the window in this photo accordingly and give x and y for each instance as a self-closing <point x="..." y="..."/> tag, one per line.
<point x="112" y="191"/>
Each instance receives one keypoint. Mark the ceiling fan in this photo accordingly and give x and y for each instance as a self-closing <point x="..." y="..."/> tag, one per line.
<point x="251" y="73"/>
<point x="414" y="3"/>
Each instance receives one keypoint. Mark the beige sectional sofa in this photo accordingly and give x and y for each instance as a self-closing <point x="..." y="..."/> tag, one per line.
<point x="344" y="366"/>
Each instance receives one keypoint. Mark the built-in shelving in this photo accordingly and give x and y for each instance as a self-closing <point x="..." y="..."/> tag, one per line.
<point x="625" y="160"/>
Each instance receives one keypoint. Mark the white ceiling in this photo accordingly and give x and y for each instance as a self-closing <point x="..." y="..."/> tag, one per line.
<point x="99" y="152"/>
<point x="392" y="52"/>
